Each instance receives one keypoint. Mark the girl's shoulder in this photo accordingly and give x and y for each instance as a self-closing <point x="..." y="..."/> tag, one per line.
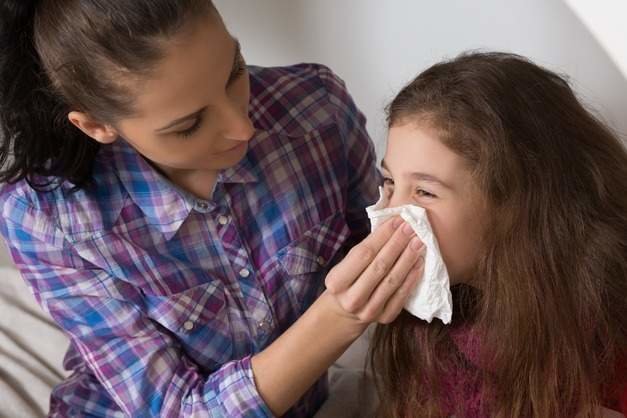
<point x="616" y="393"/>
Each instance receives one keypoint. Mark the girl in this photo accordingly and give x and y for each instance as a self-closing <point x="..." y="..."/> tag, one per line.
<point x="527" y="194"/>
<point x="175" y="211"/>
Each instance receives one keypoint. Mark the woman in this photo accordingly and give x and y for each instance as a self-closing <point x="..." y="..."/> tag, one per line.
<point x="527" y="195"/>
<point x="176" y="211"/>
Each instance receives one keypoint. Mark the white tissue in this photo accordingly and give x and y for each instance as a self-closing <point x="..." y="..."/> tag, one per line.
<point x="432" y="296"/>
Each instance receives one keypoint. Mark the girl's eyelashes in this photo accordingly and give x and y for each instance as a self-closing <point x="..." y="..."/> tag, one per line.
<point x="192" y="129"/>
<point x="388" y="186"/>
<point x="424" y="193"/>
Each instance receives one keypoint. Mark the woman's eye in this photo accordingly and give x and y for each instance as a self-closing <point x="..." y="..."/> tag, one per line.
<point x="388" y="181"/>
<point x="191" y="130"/>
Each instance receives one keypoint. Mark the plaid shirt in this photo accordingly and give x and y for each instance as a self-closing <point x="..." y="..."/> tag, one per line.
<point x="166" y="297"/>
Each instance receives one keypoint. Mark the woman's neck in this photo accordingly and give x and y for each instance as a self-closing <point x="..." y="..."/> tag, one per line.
<point x="199" y="183"/>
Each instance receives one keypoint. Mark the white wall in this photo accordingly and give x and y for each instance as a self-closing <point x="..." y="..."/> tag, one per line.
<point x="606" y="20"/>
<point x="377" y="46"/>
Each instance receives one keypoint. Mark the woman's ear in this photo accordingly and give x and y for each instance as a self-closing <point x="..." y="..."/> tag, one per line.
<point x="103" y="133"/>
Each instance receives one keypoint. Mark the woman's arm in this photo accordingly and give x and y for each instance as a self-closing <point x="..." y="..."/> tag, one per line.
<point x="144" y="370"/>
<point x="370" y="285"/>
<point x="133" y="361"/>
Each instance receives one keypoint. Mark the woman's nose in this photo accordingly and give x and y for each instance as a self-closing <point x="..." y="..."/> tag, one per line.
<point x="237" y="124"/>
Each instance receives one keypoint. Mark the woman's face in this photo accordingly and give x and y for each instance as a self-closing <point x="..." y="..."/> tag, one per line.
<point x="420" y="170"/>
<point x="192" y="112"/>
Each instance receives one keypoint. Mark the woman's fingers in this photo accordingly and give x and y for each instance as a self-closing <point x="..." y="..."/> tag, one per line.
<point x="396" y="303"/>
<point x="342" y="276"/>
<point x="387" y="263"/>
<point x="405" y="269"/>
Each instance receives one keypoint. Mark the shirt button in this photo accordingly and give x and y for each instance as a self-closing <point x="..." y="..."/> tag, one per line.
<point x="263" y="325"/>
<point x="188" y="325"/>
<point x="244" y="273"/>
<point x="202" y="205"/>
<point x="223" y="220"/>
<point x="321" y="260"/>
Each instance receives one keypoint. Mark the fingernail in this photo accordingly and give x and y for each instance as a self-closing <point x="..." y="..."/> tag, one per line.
<point x="416" y="244"/>
<point x="397" y="222"/>
<point x="407" y="229"/>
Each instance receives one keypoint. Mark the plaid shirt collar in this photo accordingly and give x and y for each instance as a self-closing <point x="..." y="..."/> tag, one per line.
<point x="165" y="205"/>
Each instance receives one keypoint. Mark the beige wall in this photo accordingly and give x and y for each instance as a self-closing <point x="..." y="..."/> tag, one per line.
<point x="5" y="260"/>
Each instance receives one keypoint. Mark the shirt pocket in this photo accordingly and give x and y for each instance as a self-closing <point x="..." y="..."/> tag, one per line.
<point x="198" y="319"/>
<point x="307" y="260"/>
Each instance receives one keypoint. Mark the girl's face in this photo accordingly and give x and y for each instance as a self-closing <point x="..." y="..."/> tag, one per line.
<point x="420" y="170"/>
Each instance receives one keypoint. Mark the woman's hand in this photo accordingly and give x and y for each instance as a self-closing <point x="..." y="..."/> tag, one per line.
<point x="371" y="284"/>
<point x="375" y="279"/>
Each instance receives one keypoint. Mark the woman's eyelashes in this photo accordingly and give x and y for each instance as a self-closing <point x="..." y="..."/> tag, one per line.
<point x="238" y="69"/>
<point x="186" y="133"/>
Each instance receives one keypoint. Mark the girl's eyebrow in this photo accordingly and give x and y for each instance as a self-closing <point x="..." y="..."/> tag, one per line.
<point x="421" y="176"/>
<point x="384" y="166"/>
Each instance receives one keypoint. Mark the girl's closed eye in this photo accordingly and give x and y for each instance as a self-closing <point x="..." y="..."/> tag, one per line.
<point x="425" y="194"/>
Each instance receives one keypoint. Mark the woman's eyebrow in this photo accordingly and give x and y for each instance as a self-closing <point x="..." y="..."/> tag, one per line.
<point x="237" y="51"/>
<point x="181" y="120"/>
<point x="236" y="63"/>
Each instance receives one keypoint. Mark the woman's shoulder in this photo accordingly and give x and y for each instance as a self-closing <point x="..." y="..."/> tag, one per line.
<point x="42" y="195"/>
<point x="296" y="99"/>
<point x="308" y="76"/>
<point x="59" y="205"/>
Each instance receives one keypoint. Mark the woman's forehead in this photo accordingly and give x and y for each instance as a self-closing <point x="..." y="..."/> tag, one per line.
<point x="195" y="68"/>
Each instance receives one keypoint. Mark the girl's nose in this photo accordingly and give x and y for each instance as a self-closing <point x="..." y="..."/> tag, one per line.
<point x="398" y="199"/>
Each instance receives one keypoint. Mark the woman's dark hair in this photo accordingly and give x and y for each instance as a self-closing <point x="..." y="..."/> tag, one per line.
<point x="62" y="55"/>
<point x="550" y="313"/>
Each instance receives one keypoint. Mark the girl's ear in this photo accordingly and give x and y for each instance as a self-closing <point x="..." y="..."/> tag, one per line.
<point x="103" y="133"/>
